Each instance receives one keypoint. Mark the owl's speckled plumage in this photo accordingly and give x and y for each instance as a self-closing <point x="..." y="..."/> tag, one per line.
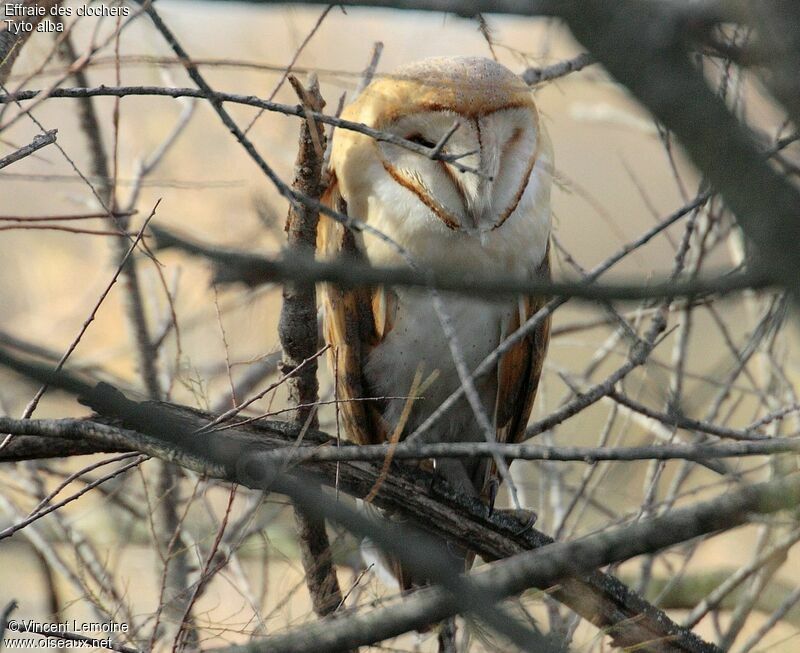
<point x="497" y="222"/>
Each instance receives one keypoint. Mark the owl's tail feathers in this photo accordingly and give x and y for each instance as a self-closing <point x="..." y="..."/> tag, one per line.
<point x="392" y="573"/>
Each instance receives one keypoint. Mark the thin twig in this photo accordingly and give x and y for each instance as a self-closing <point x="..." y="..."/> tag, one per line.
<point x="32" y="404"/>
<point x="39" y="141"/>
<point x="533" y="76"/>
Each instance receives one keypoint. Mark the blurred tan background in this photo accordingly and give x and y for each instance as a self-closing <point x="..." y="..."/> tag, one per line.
<point x="614" y="181"/>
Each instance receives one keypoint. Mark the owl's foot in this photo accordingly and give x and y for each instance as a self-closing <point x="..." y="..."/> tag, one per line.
<point x="428" y="465"/>
<point x="526" y="518"/>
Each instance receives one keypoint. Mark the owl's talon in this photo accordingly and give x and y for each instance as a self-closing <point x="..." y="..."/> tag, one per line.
<point x="524" y="516"/>
<point x="433" y="468"/>
<point x="529" y="522"/>
<point x="494" y="488"/>
<point x="454" y="550"/>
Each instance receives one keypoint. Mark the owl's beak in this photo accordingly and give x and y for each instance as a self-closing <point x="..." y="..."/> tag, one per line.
<point x="479" y="214"/>
<point x="469" y="219"/>
<point x="480" y="192"/>
<point x="474" y="194"/>
<point x="473" y="220"/>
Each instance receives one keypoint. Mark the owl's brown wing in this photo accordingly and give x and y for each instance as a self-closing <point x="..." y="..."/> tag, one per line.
<point x="520" y="368"/>
<point x="355" y="321"/>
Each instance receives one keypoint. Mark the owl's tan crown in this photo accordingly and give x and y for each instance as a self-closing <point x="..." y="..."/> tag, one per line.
<point x="469" y="86"/>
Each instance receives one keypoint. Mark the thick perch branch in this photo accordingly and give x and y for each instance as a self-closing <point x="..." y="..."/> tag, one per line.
<point x="557" y="561"/>
<point x="172" y="435"/>
<point x="172" y="432"/>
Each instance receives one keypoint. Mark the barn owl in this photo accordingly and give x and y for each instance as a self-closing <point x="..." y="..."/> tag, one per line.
<point x="493" y="220"/>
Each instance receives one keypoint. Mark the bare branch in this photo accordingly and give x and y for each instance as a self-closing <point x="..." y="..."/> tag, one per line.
<point x="369" y="71"/>
<point x="249" y="100"/>
<point x="558" y="561"/>
<point x="598" y="597"/>
<point x="254" y="270"/>
<point x="533" y="76"/>
<point x="764" y="202"/>
<point x="297" y="330"/>
<point x="39" y="141"/>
